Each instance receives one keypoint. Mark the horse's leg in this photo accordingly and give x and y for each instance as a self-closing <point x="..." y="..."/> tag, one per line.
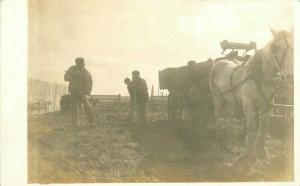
<point x="263" y="127"/>
<point x="219" y="107"/>
<point x="229" y="134"/>
<point x="250" y="114"/>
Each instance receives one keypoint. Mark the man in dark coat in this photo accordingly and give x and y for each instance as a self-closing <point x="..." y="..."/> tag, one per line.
<point x="141" y="95"/>
<point x="80" y="87"/>
<point x="128" y="82"/>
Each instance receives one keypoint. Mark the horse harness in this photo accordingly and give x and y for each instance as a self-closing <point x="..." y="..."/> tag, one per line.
<point x="257" y="75"/>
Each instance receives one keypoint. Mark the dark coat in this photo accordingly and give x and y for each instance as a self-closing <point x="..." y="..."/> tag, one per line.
<point x="80" y="81"/>
<point x="140" y="90"/>
<point x="131" y="92"/>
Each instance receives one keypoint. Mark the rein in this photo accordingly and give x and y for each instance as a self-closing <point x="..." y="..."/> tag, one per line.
<point x="278" y="65"/>
<point x="257" y="69"/>
<point x="232" y="88"/>
<point x="285" y="52"/>
<point x="257" y="75"/>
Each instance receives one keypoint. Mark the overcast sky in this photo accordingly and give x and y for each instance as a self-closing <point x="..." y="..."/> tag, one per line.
<point x="116" y="37"/>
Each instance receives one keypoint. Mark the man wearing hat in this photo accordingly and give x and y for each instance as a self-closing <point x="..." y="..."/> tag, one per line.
<point x="80" y="87"/>
<point x="128" y="82"/>
<point x="140" y="90"/>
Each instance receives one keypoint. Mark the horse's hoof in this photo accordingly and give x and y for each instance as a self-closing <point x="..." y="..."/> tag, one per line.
<point x="243" y="165"/>
<point x="262" y="154"/>
<point x="248" y="158"/>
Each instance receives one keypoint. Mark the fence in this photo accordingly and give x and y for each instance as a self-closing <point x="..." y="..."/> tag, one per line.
<point x="282" y="125"/>
<point x="118" y="99"/>
<point x="44" y="96"/>
<point x="108" y="98"/>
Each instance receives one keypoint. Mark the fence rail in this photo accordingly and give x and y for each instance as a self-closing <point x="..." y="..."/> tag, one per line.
<point x="44" y="96"/>
<point x="39" y="107"/>
<point x="156" y="100"/>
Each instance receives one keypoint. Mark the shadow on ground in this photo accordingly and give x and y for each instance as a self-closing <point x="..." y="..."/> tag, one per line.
<point x="118" y="151"/>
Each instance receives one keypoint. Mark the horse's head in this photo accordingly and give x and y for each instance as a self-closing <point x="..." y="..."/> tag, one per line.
<point x="281" y="54"/>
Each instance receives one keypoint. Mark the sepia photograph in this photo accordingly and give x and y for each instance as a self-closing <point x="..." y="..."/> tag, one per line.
<point x="174" y="91"/>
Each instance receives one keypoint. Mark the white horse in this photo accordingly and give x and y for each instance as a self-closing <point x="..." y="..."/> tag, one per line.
<point x="250" y="87"/>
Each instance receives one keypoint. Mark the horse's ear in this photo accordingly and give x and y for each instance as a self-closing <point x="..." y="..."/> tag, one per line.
<point x="292" y="30"/>
<point x="274" y="32"/>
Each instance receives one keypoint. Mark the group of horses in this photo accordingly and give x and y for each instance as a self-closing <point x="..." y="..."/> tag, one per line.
<point x="249" y="87"/>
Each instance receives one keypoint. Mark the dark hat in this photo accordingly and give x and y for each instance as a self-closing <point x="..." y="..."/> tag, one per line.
<point x="191" y="62"/>
<point x="135" y="73"/>
<point x="79" y="60"/>
<point x="126" y="80"/>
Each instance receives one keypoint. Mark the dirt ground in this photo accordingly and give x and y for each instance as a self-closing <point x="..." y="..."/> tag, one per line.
<point x="160" y="151"/>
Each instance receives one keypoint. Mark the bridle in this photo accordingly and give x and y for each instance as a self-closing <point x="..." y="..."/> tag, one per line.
<point x="280" y="63"/>
<point x="257" y="75"/>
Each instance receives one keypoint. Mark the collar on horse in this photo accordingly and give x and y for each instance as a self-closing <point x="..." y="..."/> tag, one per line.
<point x="256" y="68"/>
<point x="260" y="57"/>
<point x="257" y="74"/>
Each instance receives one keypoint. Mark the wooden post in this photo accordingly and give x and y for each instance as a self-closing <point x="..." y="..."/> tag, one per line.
<point x="290" y="138"/>
<point x="119" y="98"/>
<point x="55" y="96"/>
<point x="152" y="92"/>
